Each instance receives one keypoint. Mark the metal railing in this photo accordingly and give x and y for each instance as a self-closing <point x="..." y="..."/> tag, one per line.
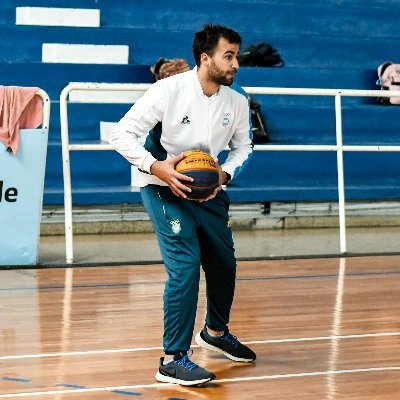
<point x="339" y="148"/>
<point x="46" y="109"/>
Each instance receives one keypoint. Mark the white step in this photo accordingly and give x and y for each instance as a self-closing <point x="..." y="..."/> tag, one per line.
<point x="84" y="53"/>
<point x="49" y="16"/>
<point x="105" y="130"/>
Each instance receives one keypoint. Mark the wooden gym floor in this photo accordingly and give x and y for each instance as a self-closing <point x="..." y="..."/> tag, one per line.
<point x="322" y="329"/>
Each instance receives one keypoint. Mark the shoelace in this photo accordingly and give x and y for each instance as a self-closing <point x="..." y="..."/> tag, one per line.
<point x="186" y="363"/>
<point x="231" y="339"/>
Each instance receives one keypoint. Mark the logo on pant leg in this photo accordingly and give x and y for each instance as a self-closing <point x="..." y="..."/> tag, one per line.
<point x="176" y="226"/>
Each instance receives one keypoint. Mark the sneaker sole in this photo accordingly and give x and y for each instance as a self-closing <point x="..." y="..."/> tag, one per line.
<point x="169" y="379"/>
<point x="202" y="343"/>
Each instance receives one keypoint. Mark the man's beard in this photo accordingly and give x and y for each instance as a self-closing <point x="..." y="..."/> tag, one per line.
<point x="218" y="76"/>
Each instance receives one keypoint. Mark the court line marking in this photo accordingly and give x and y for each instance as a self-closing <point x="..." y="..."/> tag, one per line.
<point x="238" y="379"/>
<point x="202" y="281"/>
<point x="6" y="378"/>
<point x="128" y="350"/>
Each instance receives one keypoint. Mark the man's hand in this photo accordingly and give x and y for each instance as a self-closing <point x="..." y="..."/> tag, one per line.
<point x="165" y="170"/>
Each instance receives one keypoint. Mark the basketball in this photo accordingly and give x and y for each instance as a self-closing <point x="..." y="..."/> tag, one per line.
<point x="203" y="169"/>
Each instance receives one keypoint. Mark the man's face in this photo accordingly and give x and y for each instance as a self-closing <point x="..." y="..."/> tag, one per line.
<point x="223" y="65"/>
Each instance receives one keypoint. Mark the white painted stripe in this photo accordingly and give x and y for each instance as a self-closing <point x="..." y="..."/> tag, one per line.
<point x="321" y="338"/>
<point x="81" y="353"/>
<point x="50" y="16"/>
<point x="271" y="341"/>
<point x="106" y="129"/>
<point x="84" y="53"/>
<point x="104" y="96"/>
<point x="304" y="374"/>
<point x="233" y="380"/>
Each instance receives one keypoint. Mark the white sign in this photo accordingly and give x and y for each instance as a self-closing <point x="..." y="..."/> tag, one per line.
<point x="21" y="195"/>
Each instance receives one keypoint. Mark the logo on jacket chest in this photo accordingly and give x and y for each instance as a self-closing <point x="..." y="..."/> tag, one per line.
<point x="185" y="120"/>
<point x="226" y="119"/>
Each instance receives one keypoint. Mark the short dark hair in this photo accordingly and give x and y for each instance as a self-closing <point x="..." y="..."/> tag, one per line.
<point x="206" y="40"/>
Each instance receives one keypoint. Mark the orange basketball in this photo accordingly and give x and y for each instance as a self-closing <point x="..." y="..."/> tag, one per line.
<point x="203" y="169"/>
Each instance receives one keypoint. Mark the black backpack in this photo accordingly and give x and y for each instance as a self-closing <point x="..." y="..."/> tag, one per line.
<point x="259" y="128"/>
<point x="260" y="55"/>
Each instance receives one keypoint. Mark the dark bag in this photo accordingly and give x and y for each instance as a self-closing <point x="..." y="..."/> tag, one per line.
<point x="260" y="55"/>
<point x="259" y="128"/>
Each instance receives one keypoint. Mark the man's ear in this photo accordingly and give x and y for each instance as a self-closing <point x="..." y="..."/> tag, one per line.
<point x="205" y="58"/>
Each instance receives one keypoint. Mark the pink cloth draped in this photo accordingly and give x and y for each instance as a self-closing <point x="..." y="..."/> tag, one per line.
<point x="19" y="109"/>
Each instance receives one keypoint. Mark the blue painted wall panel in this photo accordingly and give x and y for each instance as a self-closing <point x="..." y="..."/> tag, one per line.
<point x="264" y="17"/>
<point x="300" y="51"/>
<point x="54" y="77"/>
<point x="95" y="169"/>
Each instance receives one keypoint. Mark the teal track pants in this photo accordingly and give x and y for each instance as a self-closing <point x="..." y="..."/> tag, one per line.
<point x="191" y="233"/>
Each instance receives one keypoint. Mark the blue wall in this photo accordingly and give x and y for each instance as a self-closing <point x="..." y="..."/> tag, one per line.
<point x="325" y="44"/>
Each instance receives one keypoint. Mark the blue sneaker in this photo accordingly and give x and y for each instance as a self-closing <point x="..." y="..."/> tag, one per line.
<point x="227" y="344"/>
<point x="183" y="371"/>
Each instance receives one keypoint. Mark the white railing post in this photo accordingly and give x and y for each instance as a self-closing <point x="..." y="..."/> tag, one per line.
<point x="69" y="246"/>
<point x="46" y="109"/>
<point x="340" y="172"/>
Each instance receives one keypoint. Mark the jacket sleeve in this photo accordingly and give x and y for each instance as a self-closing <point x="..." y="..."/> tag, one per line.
<point x="130" y="133"/>
<point x="241" y="146"/>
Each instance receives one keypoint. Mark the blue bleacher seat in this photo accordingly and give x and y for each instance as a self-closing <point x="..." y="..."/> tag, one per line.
<point x="325" y="44"/>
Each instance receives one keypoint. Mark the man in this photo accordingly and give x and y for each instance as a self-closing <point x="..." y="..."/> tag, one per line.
<point x="199" y="109"/>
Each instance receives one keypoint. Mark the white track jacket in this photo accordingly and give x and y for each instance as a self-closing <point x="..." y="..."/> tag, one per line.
<point x="190" y="120"/>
